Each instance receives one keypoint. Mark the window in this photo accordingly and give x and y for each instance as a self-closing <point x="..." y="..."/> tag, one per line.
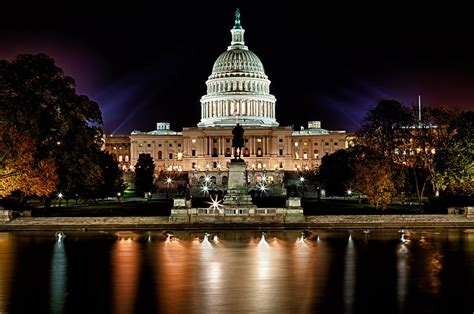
<point x="126" y="158"/>
<point x="179" y="145"/>
<point x="227" y="152"/>
<point x="193" y="152"/>
<point x="214" y="140"/>
<point x="259" y="140"/>
<point x="335" y="143"/>
<point x="159" y="145"/>
<point x="296" y="144"/>
<point x="171" y="155"/>
<point x="193" y="165"/>
<point x="140" y="145"/>
<point x="171" y="145"/>
<point x="304" y="144"/>
<point x="280" y="140"/>
<point x="227" y="140"/>
<point x="120" y="158"/>
<point x="214" y="164"/>
<point x="305" y="155"/>
<point x="193" y="141"/>
<point x="281" y="152"/>
<point x="327" y="144"/>
<point x="214" y="152"/>
<point x="259" y="152"/>
<point x="160" y="154"/>
<point x="246" y="152"/>
<point x="148" y="145"/>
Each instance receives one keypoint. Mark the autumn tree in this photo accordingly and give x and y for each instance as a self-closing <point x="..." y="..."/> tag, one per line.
<point x="20" y="167"/>
<point x="144" y="171"/>
<point x="373" y="177"/>
<point x="41" y="102"/>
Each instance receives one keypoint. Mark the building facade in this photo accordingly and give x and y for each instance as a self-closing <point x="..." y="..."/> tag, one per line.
<point x="238" y="91"/>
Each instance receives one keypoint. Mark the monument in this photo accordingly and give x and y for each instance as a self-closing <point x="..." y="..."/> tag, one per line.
<point x="237" y="193"/>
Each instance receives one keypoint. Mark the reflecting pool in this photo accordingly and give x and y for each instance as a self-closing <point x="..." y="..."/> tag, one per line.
<point x="290" y="271"/>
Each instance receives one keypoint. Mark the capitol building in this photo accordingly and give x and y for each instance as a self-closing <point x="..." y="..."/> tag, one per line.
<point x="238" y="91"/>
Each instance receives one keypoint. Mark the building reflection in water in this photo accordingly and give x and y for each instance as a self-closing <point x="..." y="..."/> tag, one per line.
<point x="402" y="276"/>
<point x="7" y="269"/>
<point x="349" y="276"/>
<point x="175" y="274"/>
<point x="58" y="278"/>
<point x="126" y="258"/>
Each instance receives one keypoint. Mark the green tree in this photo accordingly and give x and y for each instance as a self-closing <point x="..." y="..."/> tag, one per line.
<point x="455" y="163"/>
<point x="144" y="170"/>
<point x="385" y="127"/>
<point x="112" y="181"/>
<point x="336" y="172"/>
<point x="41" y="101"/>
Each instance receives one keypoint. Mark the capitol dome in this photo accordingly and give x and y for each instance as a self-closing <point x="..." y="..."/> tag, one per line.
<point x="238" y="90"/>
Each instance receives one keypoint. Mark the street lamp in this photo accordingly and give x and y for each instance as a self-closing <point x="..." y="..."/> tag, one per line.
<point x="60" y="196"/>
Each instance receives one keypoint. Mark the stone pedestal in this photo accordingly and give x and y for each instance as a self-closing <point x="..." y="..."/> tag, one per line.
<point x="294" y="211"/>
<point x="237" y="194"/>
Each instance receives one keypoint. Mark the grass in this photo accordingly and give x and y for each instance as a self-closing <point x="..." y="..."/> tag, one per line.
<point x="110" y="208"/>
<point x="352" y="207"/>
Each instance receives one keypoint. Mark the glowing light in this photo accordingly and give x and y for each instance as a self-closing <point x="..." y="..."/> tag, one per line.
<point x="180" y="155"/>
<point x="262" y="187"/>
<point x="349" y="192"/>
<point x="204" y="189"/>
<point x="215" y="203"/>
<point x="193" y="141"/>
<point x="60" y="195"/>
<point x="264" y="178"/>
<point x="302" y="179"/>
<point x="306" y="167"/>
<point x="219" y="165"/>
<point x="207" y="179"/>
<point x="168" y="181"/>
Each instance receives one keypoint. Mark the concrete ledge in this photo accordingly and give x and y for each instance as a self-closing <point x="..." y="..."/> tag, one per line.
<point x="310" y="222"/>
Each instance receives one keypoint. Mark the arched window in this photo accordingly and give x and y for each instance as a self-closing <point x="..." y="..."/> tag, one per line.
<point x="316" y="154"/>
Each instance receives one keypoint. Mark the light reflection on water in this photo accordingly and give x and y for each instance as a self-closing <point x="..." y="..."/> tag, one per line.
<point x="245" y="271"/>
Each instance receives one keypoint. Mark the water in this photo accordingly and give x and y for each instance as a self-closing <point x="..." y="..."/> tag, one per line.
<point x="383" y="271"/>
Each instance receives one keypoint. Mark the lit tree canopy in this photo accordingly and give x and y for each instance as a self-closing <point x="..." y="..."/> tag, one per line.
<point x="41" y="102"/>
<point x="455" y="163"/>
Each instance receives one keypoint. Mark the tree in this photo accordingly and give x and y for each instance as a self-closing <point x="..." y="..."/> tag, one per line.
<point x="337" y="171"/>
<point x="385" y="127"/>
<point x="41" y="102"/>
<point x="373" y="177"/>
<point x="112" y="181"/>
<point x="144" y="170"/>
<point x="20" y="169"/>
<point x="427" y="137"/>
<point x="455" y="163"/>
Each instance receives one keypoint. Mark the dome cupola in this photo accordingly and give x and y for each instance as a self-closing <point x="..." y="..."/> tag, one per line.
<point x="238" y="90"/>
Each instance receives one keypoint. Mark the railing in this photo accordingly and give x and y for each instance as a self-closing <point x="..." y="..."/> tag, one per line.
<point x="236" y="211"/>
<point x="266" y="211"/>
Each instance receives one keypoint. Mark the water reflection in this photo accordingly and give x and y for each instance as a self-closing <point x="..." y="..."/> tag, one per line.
<point x="7" y="269"/>
<point x="246" y="271"/>
<point x="349" y="276"/>
<point x="58" y="278"/>
<point x="126" y="260"/>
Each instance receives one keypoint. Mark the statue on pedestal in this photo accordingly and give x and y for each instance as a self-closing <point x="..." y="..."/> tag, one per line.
<point x="238" y="140"/>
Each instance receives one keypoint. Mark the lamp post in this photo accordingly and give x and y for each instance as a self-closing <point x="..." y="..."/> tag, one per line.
<point x="60" y="196"/>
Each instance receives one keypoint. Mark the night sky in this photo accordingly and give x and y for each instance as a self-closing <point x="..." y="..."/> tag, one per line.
<point x="145" y="63"/>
